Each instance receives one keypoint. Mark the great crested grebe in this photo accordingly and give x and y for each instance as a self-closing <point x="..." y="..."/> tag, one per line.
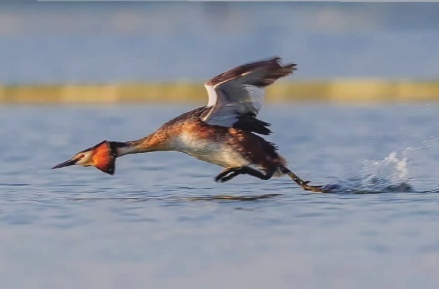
<point x="224" y="132"/>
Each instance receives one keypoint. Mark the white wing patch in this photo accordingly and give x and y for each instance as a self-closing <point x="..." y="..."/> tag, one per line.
<point x="240" y="91"/>
<point x="231" y="101"/>
<point x="224" y="116"/>
<point x="236" y="96"/>
<point x="211" y="93"/>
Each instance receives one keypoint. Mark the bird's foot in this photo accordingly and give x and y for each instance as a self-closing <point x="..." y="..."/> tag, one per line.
<point x="318" y="189"/>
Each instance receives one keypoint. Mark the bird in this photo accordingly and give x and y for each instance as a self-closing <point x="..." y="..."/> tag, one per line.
<point x="226" y="132"/>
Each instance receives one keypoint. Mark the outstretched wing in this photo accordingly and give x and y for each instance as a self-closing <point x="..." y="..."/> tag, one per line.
<point x="236" y="96"/>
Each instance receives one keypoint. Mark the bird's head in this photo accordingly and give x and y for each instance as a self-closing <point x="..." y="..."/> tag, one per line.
<point x="102" y="156"/>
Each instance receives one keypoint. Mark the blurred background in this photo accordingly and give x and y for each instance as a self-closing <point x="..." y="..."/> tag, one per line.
<point x="60" y="43"/>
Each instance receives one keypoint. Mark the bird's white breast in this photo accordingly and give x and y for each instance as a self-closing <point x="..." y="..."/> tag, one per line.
<point x="210" y="151"/>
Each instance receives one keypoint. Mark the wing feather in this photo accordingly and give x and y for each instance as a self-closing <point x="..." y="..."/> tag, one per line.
<point x="211" y="93"/>
<point x="236" y="96"/>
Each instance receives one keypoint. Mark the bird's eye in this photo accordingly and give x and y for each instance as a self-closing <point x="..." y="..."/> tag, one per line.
<point x="81" y="156"/>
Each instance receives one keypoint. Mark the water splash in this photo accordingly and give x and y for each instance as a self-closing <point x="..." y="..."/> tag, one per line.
<point x="392" y="171"/>
<point x="387" y="175"/>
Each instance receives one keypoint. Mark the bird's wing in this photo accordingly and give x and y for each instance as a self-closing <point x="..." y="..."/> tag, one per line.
<point x="236" y="96"/>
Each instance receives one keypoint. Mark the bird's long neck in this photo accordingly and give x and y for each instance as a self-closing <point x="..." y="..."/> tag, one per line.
<point x="150" y="143"/>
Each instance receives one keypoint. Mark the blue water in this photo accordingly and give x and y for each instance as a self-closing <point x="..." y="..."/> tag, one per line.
<point x="152" y="224"/>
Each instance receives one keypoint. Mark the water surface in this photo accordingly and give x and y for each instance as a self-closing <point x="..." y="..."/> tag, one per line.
<point x="155" y="224"/>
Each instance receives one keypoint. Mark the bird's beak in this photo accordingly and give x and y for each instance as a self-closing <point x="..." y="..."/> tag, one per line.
<point x="65" y="164"/>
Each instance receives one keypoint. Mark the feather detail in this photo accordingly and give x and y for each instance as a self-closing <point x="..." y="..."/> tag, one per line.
<point x="236" y="96"/>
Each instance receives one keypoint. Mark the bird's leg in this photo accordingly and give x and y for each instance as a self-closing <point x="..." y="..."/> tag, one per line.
<point x="227" y="174"/>
<point x="230" y="173"/>
<point x="253" y="172"/>
<point x="303" y="184"/>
